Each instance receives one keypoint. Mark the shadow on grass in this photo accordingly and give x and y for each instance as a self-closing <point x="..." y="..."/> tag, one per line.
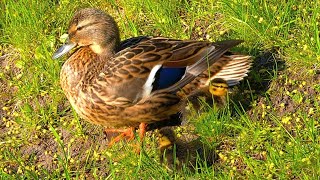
<point x="266" y="66"/>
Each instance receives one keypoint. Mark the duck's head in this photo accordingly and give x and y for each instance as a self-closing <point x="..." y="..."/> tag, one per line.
<point x="218" y="87"/>
<point x="167" y="137"/>
<point x="93" y="28"/>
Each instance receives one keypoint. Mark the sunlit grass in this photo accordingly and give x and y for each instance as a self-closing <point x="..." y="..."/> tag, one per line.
<point x="269" y="134"/>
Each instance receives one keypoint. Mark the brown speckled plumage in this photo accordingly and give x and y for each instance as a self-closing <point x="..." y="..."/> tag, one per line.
<point x="106" y="81"/>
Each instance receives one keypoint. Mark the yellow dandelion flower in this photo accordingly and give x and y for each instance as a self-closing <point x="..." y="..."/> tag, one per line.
<point x="19" y="170"/>
<point x="305" y="47"/>
<point x="311" y="111"/>
<point x="271" y="165"/>
<point x="286" y="119"/>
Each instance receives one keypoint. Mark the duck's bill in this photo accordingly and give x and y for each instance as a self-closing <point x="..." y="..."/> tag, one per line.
<point x="63" y="50"/>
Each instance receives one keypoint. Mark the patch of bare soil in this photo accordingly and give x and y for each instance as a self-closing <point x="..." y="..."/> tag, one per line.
<point x="285" y="94"/>
<point x="7" y="70"/>
<point x="296" y="89"/>
<point x="77" y="152"/>
<point x="299" y="82"/>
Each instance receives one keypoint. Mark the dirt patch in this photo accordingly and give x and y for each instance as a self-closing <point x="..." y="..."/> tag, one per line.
<point x="295" y="89"/>
<point x="78" y="152"/>
<point x="7" y="90"/>
<point x="291" y="98"/>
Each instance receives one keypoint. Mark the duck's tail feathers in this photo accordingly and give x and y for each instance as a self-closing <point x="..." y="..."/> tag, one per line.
<point x="214" y="53"/>
<point x="233" y="72"/>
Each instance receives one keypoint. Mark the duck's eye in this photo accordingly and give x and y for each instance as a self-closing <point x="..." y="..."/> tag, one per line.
<point x="79" y="28"/>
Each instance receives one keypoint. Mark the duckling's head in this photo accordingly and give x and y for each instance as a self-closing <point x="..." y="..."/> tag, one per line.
<point x="93" y="28"/>
<point x="218" y="87"/>
<point x="167" y="137"/>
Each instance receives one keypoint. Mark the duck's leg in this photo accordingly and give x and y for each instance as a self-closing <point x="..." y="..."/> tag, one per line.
<point x="142" y="133"/>
<point x="125" y="133"/>
<point x="142" y="130"/>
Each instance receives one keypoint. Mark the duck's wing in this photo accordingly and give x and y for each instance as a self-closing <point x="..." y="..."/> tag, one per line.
<point x="212" y="58"/>
<point x="134" y="71"/>
<point x="132" y="41"/>
<point x="233" y="72"/>
<point x="230" y="68"/>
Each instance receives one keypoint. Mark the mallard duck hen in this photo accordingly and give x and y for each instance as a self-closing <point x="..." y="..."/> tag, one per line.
<point x="121" y="85"/>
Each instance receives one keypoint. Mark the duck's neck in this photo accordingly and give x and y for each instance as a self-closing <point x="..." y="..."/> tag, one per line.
<point x="82" y="67"/>
<point x="104" y="50"/>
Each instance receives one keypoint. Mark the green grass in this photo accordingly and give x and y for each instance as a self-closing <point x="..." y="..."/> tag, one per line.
<point x="270" y="130"/>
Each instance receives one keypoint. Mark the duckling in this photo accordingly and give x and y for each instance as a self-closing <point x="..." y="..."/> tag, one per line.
<point x="176" y="153"/>
<point x="219" y="90"/>
<point x="124" y="86"/>
<point x="214" y="95"/>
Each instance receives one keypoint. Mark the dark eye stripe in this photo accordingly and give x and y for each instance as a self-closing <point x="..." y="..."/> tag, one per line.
<point x="219" y="86"/>
<point x="90" y="24"/>
<point x="79" y="28"/>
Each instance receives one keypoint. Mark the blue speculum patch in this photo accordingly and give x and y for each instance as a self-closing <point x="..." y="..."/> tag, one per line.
<point x="166" y="77"/>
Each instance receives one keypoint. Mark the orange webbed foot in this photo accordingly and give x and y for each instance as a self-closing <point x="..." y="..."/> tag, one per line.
<point x="125" y="134"/>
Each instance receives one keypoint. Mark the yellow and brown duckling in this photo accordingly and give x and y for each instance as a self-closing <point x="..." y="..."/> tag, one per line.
<point x="136" y="82"/>
<point x="212" y="96"/>
<point x="176" y="153"/>
<point x="219" y="88"/>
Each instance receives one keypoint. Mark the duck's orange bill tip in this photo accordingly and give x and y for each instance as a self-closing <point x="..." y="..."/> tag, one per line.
<point x="63" y="50"/>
